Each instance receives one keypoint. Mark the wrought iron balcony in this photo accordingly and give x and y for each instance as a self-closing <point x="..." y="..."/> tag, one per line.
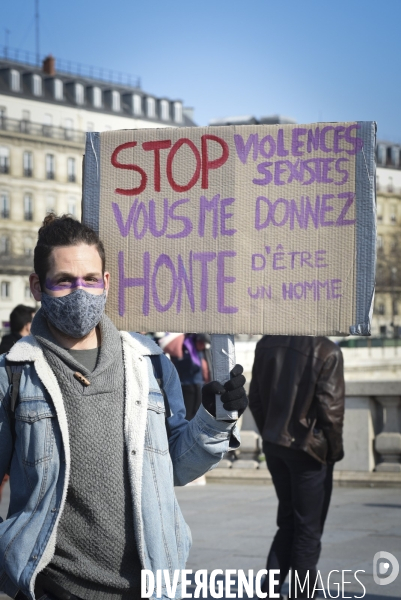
<point x="40" y="130"/>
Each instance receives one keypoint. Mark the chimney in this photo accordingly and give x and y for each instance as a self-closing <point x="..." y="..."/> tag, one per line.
<point x="49" y="65"/>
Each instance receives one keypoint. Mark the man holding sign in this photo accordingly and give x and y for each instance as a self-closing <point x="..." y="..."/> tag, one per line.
<point x="94" y="444"/>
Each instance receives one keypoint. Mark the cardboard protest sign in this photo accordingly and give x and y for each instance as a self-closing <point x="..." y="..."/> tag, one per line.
<point x="245" y="229"/>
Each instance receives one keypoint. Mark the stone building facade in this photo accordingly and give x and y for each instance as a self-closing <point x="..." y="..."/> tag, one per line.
<point x="387" y="307"/>
<point x="44" y="115"/>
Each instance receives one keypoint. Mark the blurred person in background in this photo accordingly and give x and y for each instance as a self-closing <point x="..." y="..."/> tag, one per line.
<point x="20" y="324"/>
<point x="297" y="399"/>
<point x="190" y="354"/>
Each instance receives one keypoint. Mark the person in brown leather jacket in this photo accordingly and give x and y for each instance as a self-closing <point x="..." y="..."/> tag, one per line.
<point x="297" y="399"/>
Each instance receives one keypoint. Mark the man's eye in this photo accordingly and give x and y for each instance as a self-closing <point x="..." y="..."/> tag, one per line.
<point x="91" y="280"/>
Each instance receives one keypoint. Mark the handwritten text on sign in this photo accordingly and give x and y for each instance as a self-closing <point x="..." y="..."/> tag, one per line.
<point x="222" y="229"/>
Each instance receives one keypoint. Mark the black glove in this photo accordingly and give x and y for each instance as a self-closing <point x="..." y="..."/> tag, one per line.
<point x="232" y="393"/>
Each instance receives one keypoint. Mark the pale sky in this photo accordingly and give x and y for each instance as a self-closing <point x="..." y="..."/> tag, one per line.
<point x="309" y="60"/>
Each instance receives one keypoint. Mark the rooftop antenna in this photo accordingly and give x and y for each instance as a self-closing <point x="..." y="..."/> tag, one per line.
<point x="37" y="31"/>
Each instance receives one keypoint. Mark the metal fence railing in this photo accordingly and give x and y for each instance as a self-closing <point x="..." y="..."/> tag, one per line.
<point x="37" y="129"/>
<point x="69" y="67"/>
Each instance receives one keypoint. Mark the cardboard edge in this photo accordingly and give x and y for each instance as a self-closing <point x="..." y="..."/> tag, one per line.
<point x="91" y="181"/>
<point x="365" y="174"/>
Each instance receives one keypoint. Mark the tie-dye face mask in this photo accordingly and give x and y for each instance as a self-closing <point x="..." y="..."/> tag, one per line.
<point x="75" y="314"/>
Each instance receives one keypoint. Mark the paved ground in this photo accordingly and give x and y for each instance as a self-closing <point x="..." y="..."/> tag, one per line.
<point x="232" y="528"/>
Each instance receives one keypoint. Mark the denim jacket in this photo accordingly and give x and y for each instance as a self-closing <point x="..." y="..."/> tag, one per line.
<point x="40" y="463"/>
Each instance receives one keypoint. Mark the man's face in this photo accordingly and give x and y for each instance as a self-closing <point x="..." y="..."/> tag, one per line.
<point x="71" y="268"/>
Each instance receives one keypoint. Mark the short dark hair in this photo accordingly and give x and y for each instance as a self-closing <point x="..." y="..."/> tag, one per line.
<point x="62" y="231"/>
<point x="20" y="316"/>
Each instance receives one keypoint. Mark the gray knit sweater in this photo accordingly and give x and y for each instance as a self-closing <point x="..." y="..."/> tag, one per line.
<point x="96" y="556"/>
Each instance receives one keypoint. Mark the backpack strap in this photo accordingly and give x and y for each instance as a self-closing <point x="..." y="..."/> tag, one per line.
<point x="158" y="373"/>
<point x="14" y="372"/>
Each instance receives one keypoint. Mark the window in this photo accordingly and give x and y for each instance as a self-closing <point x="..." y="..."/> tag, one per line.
<point x="177" y="112"/>
<point x="50" y="171"/>
<point x="25" y="123"/>
<point x="97" y="97"/>
<point x="379" y="241"/>
<point x="58" y="90"/>
<point x="68" y="127"/>
<point x="4" y="245"/>
<point x="383" y="330"/>
<point x="390" y="187"/>
<point x="72" y="207"/>
<point x="164" y="110"/>
<point x="137" y="104"/>
<point x="50" y="204"/>
<point x="28" y="207"/>
<point x="79" y="93"/>
<point x="393" y="213"/>
<point x="71" y="169"/>
<point x="381" y="154"/>
<point x="36" y="85"/>
<point x="28" y="246"/>
<point x="379" y="211"/>
<point x="28" y="164"/>
<point x="3" y="117"/>
<point x="47" y="125"/>
<point x="28" y="294"/>
<point x="4" y="206"/>
<point x="15" y="81"/>
<point x="395" y="156"/>
<point x="381" y="308"/>
<point x="4" y="160"/>
<point x="5" y="289"/>
<point x="150" y="107"/>
<point x="115" y="101"/>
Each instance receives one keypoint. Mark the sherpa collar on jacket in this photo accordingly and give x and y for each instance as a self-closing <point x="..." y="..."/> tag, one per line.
<point x="135" y="347"/>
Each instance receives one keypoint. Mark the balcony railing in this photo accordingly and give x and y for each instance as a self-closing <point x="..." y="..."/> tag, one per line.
<point x="38" y="129"/>
<point x="67" y="67"/>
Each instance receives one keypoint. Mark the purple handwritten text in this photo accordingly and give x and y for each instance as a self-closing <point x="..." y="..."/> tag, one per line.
<point x="327" y="210"/>
<point x="165" y="282"/>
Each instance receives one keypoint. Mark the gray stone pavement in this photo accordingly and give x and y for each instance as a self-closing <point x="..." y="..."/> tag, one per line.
<point x="233" y="526"/>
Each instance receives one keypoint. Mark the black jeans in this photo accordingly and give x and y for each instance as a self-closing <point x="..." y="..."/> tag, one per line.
<point x="303" y="487"/>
